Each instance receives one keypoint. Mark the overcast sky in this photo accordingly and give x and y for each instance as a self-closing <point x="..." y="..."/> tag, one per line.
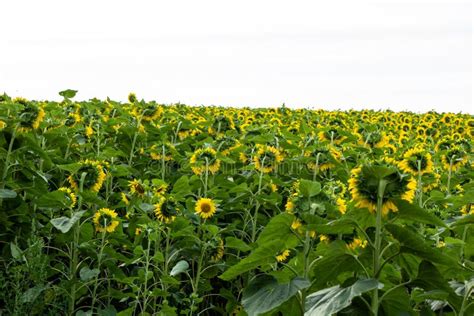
<point x="403" y="55"/>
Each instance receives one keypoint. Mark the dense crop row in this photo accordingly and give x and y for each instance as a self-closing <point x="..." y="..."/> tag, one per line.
<point x="140" y="208"/>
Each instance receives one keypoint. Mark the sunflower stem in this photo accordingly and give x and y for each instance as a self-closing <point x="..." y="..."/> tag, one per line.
<point x="420" y="185"/>
<point x="163" y="172"/>
<point x="316" y="167"/>
<point x="257" y="206"/>
<point x="99" y="263"/>
<point x="450" y="171"/>
<point x="7" y="161"/>
<point x="378" y="243"/>
<point x="206" y="177"/>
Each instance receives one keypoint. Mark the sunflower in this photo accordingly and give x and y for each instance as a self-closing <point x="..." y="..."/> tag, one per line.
<point x="341" y="205"/>
<point x="324" y="156"/>
<point x="165" y="211"/>
<point x="267" y="158"/>
<point x="2" y="125"/>
<point x="201" y="158"/>
<point x="95" y="176"/>
<point x="363" y="187"/>
<point x="218" y="251"/>
<point x="205" y="208"/>
<point x="30" y="116"/>
<point x="357" y="243"/>
<point x="104" y="220"/>
<point x="132" y="97"/>
<point x="89" y="131"/>
<point x="159" y="151"/>
<point x="454" y="158"/>
<point x="70" y="196"/>
<point x="416" y="156"/>
<point x="468" y="209"/>
<point x="283" y="255"/>
<point x="136" y="187"/>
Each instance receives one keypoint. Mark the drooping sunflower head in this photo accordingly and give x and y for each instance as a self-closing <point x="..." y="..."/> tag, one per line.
<point x="30" y="116"/>
<point x="267" y="158"/>
<point x="151" y="111"/>
<point x="162" y="151"/>
<point x="416" y="160"/>
<point x="137" y="187"/>
<point x="205" y="208"/>
<point x="217" y="249"/>
<point x="222" y="124"/>
<point x="322" y="158"/>
<point x="94" y="178"/>
<point x="165" y="210"/>
<point x="454" y="158"/>
<point x="364" y="185"/>
<point x="132" y="97"/>
<point x="105" y="220"/>
<point x="283" y="256"/>
<point x="205" y="157"/>
<point x="70" y="196"/>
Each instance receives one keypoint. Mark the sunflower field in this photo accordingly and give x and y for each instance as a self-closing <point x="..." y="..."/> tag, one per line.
<point x="141" y="208"/>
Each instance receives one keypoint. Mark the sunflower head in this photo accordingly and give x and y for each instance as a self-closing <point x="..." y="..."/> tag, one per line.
<point x="283" y="256"/>
<point x="267" y="158"/>
<point x="137" y="187"/>
<point x="217" y="249"/>
<point x="205" y="157"/>
<point x="454" y="158"/>
<point x="30" y="116"/>
<point x="69" y="195"/>
<point x="364" y="185"/>
<point x="165" y="210"/>
<point x="416" y="160"/>
<point x="205" y="208"/>
<point x="105" y="220"/>
<point x="94" y="178"/>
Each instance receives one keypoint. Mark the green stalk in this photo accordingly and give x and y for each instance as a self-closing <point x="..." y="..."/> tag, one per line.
<point x="134" y="141"/>
<point x="420" y="185"/>
<point x="206" y="177"/>
<point x="99" y="262"/>
<point x="6" y="166"/>
<point x="316" y="167"/>
<point x="163" y="172"/>
<point x="378" y="243"/>
<point x="73" y="264"/>
<point x="147" y="267"/>
<point x="450" y="171"/>
<point x="257" y="206"/>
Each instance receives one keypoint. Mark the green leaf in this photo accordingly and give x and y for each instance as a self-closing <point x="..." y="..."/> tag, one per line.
<point x="430" y="279"/>
<point x="64" y="224"/>
<point x="180" y="267"/>
<point x="32" y="294"/>
<point x="7" y="194"/>
<point x="16" y="252"/>
<point x="87" y="274"/>
<point x="309" y="188"/>
<point x="235" y="243"/>
<point x="416" y="214"/>
<point x="264" y="293"/>
<point x="328" y="268"/>
<point x="181" y="187"/>
<point x="69" y="94"/>
<point x="331" y="300"/>
<point x="410" y="242"/>
<point x="262" y="255"/>
<point x="56" y="199"/>
<point x="463" y="220"/>
<point x="278" y="228"/>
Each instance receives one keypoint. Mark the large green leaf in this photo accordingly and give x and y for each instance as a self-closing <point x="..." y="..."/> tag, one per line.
<point x="235" y="243"/>
<point x="416" y="214"/>
<point x="279" y="227"/>
<point x="309" y="188"/>
<point x="412" y="243"/>
<point x="430" y="279"/>
<point x="7" y="194"/>
<point x="262" y="255"/>
<point x="64" y="223"/>
<point x="265" y="293"/>
<point x="331" y="300"/>
<point x="180" y="267"/>
<point x="328" y="268"/>
<point x="56" y="199"/>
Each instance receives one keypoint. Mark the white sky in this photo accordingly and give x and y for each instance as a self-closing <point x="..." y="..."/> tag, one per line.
<point x="413" y="55"/>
